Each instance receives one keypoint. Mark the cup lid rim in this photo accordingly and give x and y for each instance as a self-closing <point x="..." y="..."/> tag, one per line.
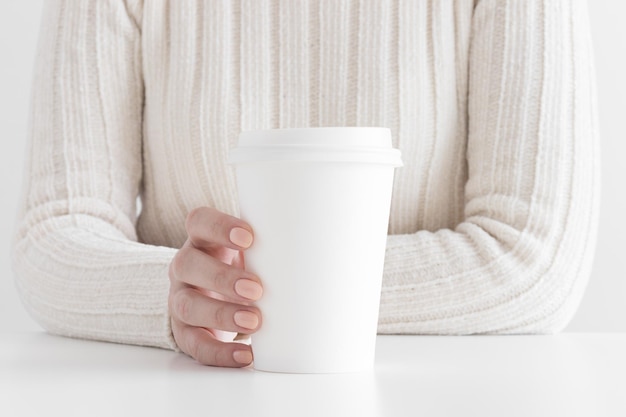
<point x="317" y="144"/>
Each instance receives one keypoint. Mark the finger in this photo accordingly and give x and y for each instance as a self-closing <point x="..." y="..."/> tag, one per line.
<point x="194" y="267"/>
<point x="208" y="227"/>
<point x="200" y="344"/>
<point x="195" y="309"/>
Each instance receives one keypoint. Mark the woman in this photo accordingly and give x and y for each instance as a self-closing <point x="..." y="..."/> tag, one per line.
<point x="493" y="219"/>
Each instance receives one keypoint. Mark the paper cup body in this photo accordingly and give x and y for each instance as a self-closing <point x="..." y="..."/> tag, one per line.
<point x="318" y="200"/>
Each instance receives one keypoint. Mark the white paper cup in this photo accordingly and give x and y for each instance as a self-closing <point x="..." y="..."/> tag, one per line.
<point x="318" y="200"/>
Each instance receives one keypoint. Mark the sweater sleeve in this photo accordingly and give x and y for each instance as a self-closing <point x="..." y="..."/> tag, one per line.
<point x="520" y="260"/>
<point x="79" y="269"/>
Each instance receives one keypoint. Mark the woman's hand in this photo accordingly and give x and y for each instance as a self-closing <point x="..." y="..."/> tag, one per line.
<point x="211" y="293"/>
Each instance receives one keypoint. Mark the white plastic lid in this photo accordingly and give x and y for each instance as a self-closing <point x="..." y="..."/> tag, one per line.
<point x="370" y="145"/>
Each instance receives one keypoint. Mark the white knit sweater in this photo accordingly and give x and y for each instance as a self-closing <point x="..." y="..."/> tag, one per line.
<point x="494" y="214"/>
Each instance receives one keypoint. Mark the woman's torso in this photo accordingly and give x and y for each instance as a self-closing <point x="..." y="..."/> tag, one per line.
<point x="214" y="68"/>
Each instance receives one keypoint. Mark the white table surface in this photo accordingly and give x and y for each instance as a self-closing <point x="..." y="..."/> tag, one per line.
<point x="562" y="375"/>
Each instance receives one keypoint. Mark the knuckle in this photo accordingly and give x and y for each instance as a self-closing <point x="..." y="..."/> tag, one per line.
<point x="221" y="276"/>
<point x="206" y="353"/>
<point x="221" y="316"/>
<point x="204" y="223"/>
<point x="193" y="217"/>
<point x="194" y="345"/>
<point x="221" y="356"/>
<point x="217" y="225"/>
<point x="178" y="263"/>
<point x="183" y="305"/>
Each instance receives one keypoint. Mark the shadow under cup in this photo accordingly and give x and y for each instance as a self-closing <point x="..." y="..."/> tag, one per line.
<point x="318" y="200"/>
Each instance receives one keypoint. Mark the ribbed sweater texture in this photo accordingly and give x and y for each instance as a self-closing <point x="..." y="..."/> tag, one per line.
<point x="492" y="104"/>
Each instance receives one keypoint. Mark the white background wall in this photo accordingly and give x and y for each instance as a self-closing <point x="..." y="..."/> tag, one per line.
<point x="604" y="306"/>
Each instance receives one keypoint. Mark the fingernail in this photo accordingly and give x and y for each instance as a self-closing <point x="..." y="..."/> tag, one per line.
<point x="246" y="319"/>
<point x="248" y="289"/>
<point x="242" y="356"/>
<point x="241" y="237"/>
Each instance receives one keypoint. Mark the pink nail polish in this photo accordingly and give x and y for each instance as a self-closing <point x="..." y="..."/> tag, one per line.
<point x="248" y="289"/>
<point x="241" y="237"/>
<point x="242" y="356"/>
<point x="246" y="319"/>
